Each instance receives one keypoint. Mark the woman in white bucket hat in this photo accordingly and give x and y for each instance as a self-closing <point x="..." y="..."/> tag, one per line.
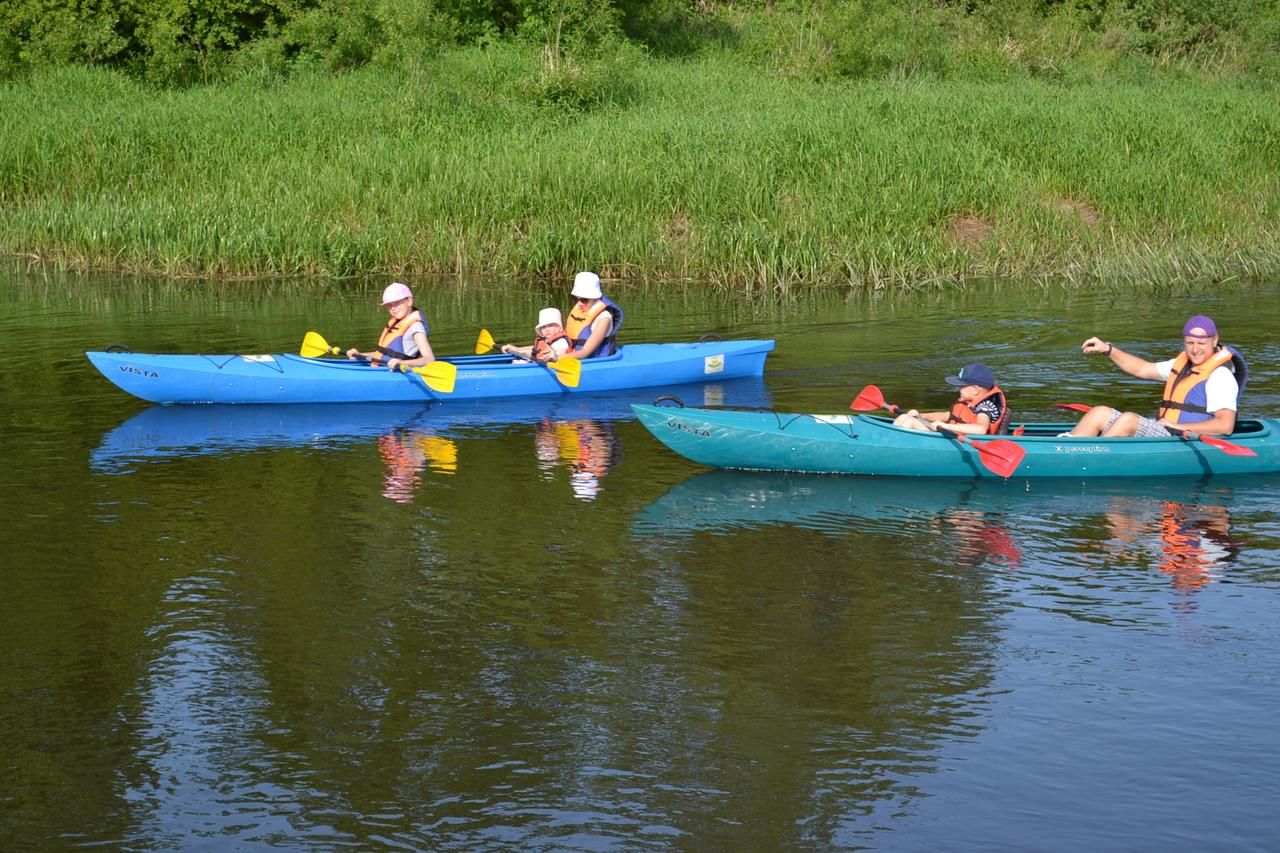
<point x="404" y="338"/>
<point x="594" y="320"/>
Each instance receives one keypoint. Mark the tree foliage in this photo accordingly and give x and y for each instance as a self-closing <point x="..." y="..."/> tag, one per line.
<point x="181" y="42"/>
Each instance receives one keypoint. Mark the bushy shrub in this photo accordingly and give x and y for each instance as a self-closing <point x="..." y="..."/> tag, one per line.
<point x="850" y="39"/>
<point x="180" y="42"/>
<point x="59" y="33"/>
<point x="872" y="38"/>
<point x="10" y="54"/>
<point x="416" y="31"/>
<point x="594" y="78"/>
<point x="335" y="36"/>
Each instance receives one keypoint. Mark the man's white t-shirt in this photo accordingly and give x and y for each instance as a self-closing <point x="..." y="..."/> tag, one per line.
<point x="1221" y="391"/>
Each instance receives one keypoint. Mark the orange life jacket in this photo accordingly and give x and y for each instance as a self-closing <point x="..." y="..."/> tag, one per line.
<point x="963" y="413"/>
<point x="579" y="326"/>
<point x="1185" y="560"/>
<point x="578" y="329"/>
<point x="543" y="347"/>
<point x="1184" y="390"/>
<point x="391" y="342"/>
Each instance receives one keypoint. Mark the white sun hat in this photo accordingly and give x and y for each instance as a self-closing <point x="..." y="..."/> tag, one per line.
<point x="548" y="315"/>
<point x="586" y="285"/>
<point x="585" y="485"/>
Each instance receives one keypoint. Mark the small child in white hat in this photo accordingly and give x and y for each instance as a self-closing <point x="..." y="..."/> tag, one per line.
<point x="550" y="342"/>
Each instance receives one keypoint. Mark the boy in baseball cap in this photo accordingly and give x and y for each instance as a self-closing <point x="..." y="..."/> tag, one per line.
<point x="980" y="410"/>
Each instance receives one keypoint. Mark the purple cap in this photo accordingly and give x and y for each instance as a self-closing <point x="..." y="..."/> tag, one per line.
<point x="1199" y="326"/>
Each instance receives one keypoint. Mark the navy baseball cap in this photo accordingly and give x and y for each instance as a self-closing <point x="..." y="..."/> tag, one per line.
<point x="974" y="374"/>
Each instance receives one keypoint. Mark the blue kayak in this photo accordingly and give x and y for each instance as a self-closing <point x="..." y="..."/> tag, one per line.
<point x="298" y="379"/>
<point x="869" y="445"/>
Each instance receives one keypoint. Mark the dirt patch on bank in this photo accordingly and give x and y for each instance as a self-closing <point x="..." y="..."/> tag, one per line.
<point x="678" y="227"/>
<point x="966" y="230"/>
<point x="1082" y="210"/>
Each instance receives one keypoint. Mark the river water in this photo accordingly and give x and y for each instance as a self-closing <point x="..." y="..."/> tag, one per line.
<point x="532" y="627"/>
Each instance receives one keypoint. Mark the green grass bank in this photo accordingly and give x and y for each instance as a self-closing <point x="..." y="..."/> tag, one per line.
<point x="644" y="168"/>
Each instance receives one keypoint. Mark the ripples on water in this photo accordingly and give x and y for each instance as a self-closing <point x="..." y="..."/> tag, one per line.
<point x="532" y="627"/>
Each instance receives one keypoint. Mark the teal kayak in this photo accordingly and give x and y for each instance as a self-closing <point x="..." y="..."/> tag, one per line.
<point x="299" y="379"/>
<point x="872" y="446"/>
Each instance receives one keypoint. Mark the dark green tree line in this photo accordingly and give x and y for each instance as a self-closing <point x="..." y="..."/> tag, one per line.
<point x="182" y="42"/>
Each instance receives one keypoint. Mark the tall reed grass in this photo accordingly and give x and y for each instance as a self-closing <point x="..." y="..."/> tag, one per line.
<point x="702" y="169"/>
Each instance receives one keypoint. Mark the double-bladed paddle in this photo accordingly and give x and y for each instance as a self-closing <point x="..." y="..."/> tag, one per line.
<point x="1222" y="444"/>
<point x="1001" y="456"/>
<point x="438" y="375"/>
<point x="567" y="370"/>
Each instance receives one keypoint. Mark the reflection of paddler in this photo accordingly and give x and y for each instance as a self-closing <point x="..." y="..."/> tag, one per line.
<point x="568" y="441"/>
<point x="546" y="447"/>
<point x="595" y="451"/>
<point x="405" y="454"/>
<point x="588" y="447"/>
<point x="1193" y="541"/>
<point x="981" y="535"/>
<point x="595" y="456"/>
<point x="402" y="464"/>
<point x="441" y="453"/>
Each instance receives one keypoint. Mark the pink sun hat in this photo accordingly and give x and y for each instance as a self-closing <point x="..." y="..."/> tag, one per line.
<point x="395" y="292"/>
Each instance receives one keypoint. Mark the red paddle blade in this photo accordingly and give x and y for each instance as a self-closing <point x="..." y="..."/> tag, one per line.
<point x="868" y="400"/>
<point x="1074" y="407"/>
<point x="1226" y="446"/>
<point x="1000" y="456"/>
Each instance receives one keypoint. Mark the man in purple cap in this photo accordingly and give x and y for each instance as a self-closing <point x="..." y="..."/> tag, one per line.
<point x="1201" y="387"/>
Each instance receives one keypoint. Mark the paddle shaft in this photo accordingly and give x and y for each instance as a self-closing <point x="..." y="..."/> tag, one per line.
<point x="567" y="371"/>
<point x="1000" y="456"/>
<point x="438" y="375"/>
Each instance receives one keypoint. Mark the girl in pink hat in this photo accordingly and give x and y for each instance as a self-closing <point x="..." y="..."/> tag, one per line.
<point x="404" y="339"/>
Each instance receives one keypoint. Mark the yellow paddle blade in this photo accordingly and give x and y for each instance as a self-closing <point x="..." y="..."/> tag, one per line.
<point x="485" y="343"/>
<point x="439" y="375"/>
<point x="568" y="371"/>
<point x="314" y="345"/>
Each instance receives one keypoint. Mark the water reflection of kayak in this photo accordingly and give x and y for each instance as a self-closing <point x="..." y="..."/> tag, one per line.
<point x="1189" y="530"/>
<point x="726" y="501"/>
<point x="161" y="432"/>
